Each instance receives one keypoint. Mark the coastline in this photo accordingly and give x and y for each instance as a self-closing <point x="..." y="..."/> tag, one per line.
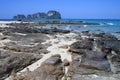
<point x="38" y="50"/>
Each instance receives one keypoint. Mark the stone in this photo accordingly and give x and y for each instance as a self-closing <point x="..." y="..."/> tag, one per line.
<point x="21" y="48"/>
<point x="93" y="77"/>
<point x="66" y="62"/>
<point x="108" y="45"/>
<point x="82" y="45"/>
<point x="54" y="60"/>
<point x="94" y="55"/>
<point x="115" y="64"/>
<point x="10" y="61"/>
<point x="92" y="64"/>
<point x="51" y="69"/>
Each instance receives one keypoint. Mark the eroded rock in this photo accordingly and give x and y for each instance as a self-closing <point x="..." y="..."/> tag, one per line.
<point x="10" y="61"/>
<point x="51" y="69"/>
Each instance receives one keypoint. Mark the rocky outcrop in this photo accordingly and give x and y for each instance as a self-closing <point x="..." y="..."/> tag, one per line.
<point x="49" y="15"/>
<point x="14" y="61"/>
<point x="19" y="50"/>
<point x="51" y="69"/>
<point x="53" y="15"/>
<point x="19" y="17"/>
<point x="37" y="15"/>
<point x="25" y="45"/>
<point x="95" y="56"/>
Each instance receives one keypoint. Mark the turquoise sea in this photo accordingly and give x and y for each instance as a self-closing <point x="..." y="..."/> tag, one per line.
<point x="106" y="25"/>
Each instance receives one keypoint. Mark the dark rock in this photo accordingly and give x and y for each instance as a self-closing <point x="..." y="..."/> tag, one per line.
<point x="53" y="15"/>
<point x="104" y="36"/>
<point x="54" y="60"/>
<point x="78" y="51"/>
<point x="19" y="17"/>
<point x="32" y="30"/>
<point x="89" y="62"/>
<point x="94" y="55"/>
<point x="66" y="62"/>
<point x="92" y="64"/>
<point x="20" y="48"/>
<point x="37" y="15"/>
<point x="109" y="45"/>
<point x="50" y="15"/>
<point x="82" y="45"/>
<point x="89" y="67"/>
<point x="51" y="69"/>
<point x="115" y="63"/>
<point x="10" y="61"/>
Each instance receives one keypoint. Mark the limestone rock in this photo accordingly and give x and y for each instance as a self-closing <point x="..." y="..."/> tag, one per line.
<point x="19" y="17"/>
<point x="53" y="15"/>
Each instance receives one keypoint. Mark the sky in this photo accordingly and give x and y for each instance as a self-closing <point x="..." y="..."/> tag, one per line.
<point x="79" y="9"/>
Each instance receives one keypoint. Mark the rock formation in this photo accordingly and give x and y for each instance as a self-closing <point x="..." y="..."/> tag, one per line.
<point x="19" y="17"/>
<point x="49" y="15"/>
<point x="37" y="15"/>
<point x="53" y="15"/>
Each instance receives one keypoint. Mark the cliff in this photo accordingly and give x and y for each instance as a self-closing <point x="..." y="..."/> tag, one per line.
<point x="52" y="14"/>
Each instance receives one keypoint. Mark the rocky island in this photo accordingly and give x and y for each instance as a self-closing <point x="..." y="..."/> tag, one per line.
<point x="52" y="14"/>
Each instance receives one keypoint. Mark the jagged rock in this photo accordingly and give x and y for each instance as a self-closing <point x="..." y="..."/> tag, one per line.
<point x="92" y="64"/>
<point x="10" y="61"/>
<point x="115" y="63"/>
<point x="66" y="62"/>
<point x="104" y="35"/>
<point x="53" y="15"/>
<point x="51" y="69"/>
<point x="94" y="55"/>
<point x="53" y="60"/>
<point x="86" y="44"/>
<point x="108" y="43"/>
<point x="89" y="62"/>
<point x="19" y="17"/>
<point x="37" y="15"/>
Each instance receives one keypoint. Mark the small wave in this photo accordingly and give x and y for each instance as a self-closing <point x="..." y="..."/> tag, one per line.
<point x="68" y="27"/>
<point x="84" y="25"/>
<point x="110" y="24"/>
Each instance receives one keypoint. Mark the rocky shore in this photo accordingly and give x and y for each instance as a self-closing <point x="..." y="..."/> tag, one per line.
<point x="31" y="53"/>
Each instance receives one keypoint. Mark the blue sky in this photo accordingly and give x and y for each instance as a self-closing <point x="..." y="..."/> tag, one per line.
<point x="82" y="9"/>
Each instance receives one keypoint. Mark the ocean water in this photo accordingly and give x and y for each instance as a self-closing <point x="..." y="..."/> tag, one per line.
<point x="106" y="25"/>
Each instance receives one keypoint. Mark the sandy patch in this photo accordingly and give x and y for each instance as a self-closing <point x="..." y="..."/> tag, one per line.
<point x="2" y="42"/>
